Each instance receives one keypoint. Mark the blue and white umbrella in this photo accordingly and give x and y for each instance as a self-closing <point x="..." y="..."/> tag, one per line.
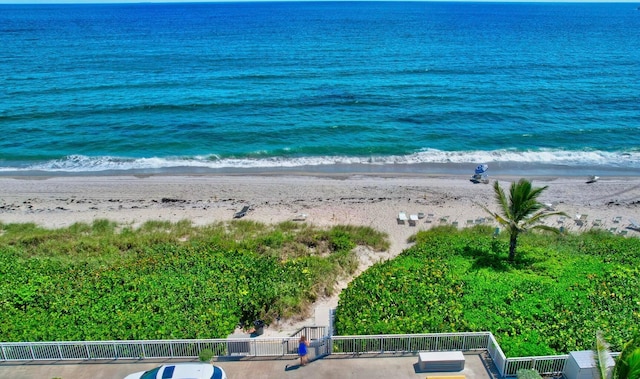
<point x="481" y="169"/>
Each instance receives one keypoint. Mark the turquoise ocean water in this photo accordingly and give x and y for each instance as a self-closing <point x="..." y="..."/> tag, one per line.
<point x="320" y="86"/>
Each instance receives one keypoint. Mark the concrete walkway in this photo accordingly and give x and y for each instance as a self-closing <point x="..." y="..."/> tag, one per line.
<point x="343" y="367"/>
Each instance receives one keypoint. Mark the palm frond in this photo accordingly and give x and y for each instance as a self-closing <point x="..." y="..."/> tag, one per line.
<point x="628" y="363"/>
<point x="633" y="364"/>
<point x="537" y="192"/>
<point x="540" y="215"/>
<point x="501" y="198"/>
<point x="602" y="355"/>
<point x="495" y="215"/>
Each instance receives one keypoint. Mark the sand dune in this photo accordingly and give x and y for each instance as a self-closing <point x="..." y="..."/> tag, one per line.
<point x="328" y="200"/>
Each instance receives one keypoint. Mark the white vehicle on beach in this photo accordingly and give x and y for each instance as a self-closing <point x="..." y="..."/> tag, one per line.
<point x="181" y="371"/>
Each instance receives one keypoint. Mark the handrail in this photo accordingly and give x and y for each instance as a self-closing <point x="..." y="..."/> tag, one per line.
<point x="322" y="345"/>
<point x="409" y="343"/>
<point x="311" y="332"/>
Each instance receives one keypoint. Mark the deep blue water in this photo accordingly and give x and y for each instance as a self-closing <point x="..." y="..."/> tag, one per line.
<point x="86" y="88"/>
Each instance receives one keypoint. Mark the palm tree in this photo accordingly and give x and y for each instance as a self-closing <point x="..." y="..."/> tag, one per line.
<point x="627" y="365"/>
<point x="521" y="211"/>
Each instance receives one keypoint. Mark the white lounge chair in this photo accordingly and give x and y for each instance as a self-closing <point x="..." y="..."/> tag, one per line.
<point x="413" y="220"/>
<point x="402" y="218"/>
<point x="580" y="219"/>
<point x="634" y="225"/>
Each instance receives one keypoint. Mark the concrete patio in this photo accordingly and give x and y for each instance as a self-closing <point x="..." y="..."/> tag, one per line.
<point x="477" y="366"/>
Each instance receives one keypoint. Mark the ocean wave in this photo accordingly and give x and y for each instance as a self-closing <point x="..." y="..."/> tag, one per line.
<point x="629" y="160"/>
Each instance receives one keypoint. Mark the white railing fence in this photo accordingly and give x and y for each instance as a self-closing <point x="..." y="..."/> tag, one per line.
<point x="280" y="347"/>
<point x="496" y="354"/>
<point x="547" y="365"/>
<point x="88" y="350"/>
<point x="408" y="343"/>
<point x="311" y="332"/>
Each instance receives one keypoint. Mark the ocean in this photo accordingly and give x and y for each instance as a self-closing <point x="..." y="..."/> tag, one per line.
<point x="429" y="87"/>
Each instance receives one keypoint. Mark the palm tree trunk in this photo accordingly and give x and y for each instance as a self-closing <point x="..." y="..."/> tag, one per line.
<point x="513" y="242"/>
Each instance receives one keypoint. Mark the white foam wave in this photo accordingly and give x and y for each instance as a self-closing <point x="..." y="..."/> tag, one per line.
<point x="80" y="163"/>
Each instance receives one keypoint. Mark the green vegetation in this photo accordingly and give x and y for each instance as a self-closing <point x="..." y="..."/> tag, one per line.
<point x="106" y="281"/>
<point x="559" y="290"/>
<point x="528" y="374"/>
<point x="205" y="355"/>
<point x="521" y="211"/>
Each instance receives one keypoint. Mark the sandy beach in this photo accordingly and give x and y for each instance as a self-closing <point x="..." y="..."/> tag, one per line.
<point x="325" y="200"/>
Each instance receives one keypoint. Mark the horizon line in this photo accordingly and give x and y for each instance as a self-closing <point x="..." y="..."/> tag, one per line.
<point x="103" y="2"/>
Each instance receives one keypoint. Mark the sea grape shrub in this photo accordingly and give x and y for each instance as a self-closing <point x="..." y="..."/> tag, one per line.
<point x="551" y="300"/>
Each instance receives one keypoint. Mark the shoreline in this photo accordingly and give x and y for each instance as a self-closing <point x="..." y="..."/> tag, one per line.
<point x="402" y="166"/>
<point x="324" y="200"/>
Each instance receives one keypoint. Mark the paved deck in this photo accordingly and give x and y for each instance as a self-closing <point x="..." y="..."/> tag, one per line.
<point x="344" y="367"/>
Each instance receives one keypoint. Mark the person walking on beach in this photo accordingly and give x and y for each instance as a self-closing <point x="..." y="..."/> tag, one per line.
<point x="303" y="344"/>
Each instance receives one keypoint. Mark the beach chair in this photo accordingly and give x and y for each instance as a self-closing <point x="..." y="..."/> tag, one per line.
<point x="597" y="222"/>
<point x="242" y="212"/>
<point x="402" y="218"/>
<point x="430" y="217"/>
<point x="300" y="217"/>
<point x="580" y="219"/>
<point x="617" y="219"/>
<point x="633" y="225"/>
<point x="413" y="220"/>
<point x="561" y="219"/>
